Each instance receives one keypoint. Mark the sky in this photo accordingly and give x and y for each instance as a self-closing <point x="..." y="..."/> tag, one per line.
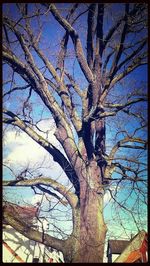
<point x="20" y="151"/>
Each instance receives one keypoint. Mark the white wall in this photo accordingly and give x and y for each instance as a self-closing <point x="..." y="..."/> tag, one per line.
<point x="115" y="256"/>
<point x="25" y="248"/>
<point x="19" y="243"/>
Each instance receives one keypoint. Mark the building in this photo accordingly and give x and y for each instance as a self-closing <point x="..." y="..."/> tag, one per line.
<point x="125" y="251"/>
<point x="136" y="251"/>
<point x="18" y="248"/>
<point x="115" y="248"/>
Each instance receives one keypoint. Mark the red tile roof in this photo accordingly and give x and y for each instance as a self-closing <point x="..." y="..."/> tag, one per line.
<point x="24" y="212"/>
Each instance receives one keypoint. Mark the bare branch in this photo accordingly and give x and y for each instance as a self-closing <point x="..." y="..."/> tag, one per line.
<point x="64" y="42"/>
<point x="110" y="168"/>
<point x="135" y="64"/>
<point x="44" y="94"/>
<point x="30" y="233"/>
<point x="57" y="155"/>
<point x="132" y="55"/>
<point x="90" y="34"/>
<point x="126" y="140"/>
<point x="99" y="29"/>
<point x="60" y="88"/>
<point x="108" y="37"/>
<point x="73" y="84"/>
<point x="123" y="105"/>
<point x="119" y="49"/>
<point x="42" y="180"/>
<point x="52" y="194"/>
<point x="16" y="88"/>
<point x="76" y="41"/>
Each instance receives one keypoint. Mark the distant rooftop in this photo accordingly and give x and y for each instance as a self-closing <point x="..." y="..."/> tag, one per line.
<point x="117" y="246"/>
<point x="24" y="212"/>
<point x="136" y="250"/>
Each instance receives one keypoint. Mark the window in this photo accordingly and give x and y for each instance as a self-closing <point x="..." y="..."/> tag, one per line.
<point x="35" y="260"/>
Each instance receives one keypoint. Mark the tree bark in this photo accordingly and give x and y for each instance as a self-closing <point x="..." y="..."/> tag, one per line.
<point x="86" y="243"/>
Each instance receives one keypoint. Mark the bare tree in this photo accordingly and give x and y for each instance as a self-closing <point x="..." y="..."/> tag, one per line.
<point x="105" y="54"/>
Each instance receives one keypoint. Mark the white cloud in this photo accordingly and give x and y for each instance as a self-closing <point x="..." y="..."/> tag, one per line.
<point x="107" y="195"/>
<point x="22" y="151"/>
<point x="48" y="126"/>
<point x="39" y="199"/>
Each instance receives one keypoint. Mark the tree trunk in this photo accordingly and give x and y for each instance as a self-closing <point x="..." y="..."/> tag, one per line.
<point x="86" y="243"/>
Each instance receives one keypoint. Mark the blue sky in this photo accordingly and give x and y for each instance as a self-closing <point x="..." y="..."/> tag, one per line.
<point x="14" y="146"/>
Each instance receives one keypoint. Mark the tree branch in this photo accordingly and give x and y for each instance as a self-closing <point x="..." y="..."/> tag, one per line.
<point x="123" y="105"/>
<point x="132" y="55"/>
<point x="62" y="123"/>
<point x="119" y="49"/>
<point x="74" y="85"/>
<point x="76" y="41"/>
<point x="64" y="41"/>
<point x="52" y="194"/>
<point x="121" y="144"/>
<point x="40" y="88"/>
<point x="60" y="88"/>
<point x="70" y="197"/>
<point x="90" y="34"/>
<point x="136" y="63"/>
<point x="115" y="27"/>
<point x="99" y="29"/>
<point x="27" y="231"/>
<point x="63" y="90"/>
<point x="57" y="155"/>
<point x="15" y="89"/>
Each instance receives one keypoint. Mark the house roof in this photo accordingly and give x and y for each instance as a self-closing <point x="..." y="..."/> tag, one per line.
<point x="136" y="247"/>
<point x="117" y="246"/>
<point x="24" y="212"/>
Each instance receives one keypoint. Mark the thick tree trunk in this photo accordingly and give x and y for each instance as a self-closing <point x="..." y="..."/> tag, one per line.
<point x="93" y="230"/>
<point x="86" y="243"/>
